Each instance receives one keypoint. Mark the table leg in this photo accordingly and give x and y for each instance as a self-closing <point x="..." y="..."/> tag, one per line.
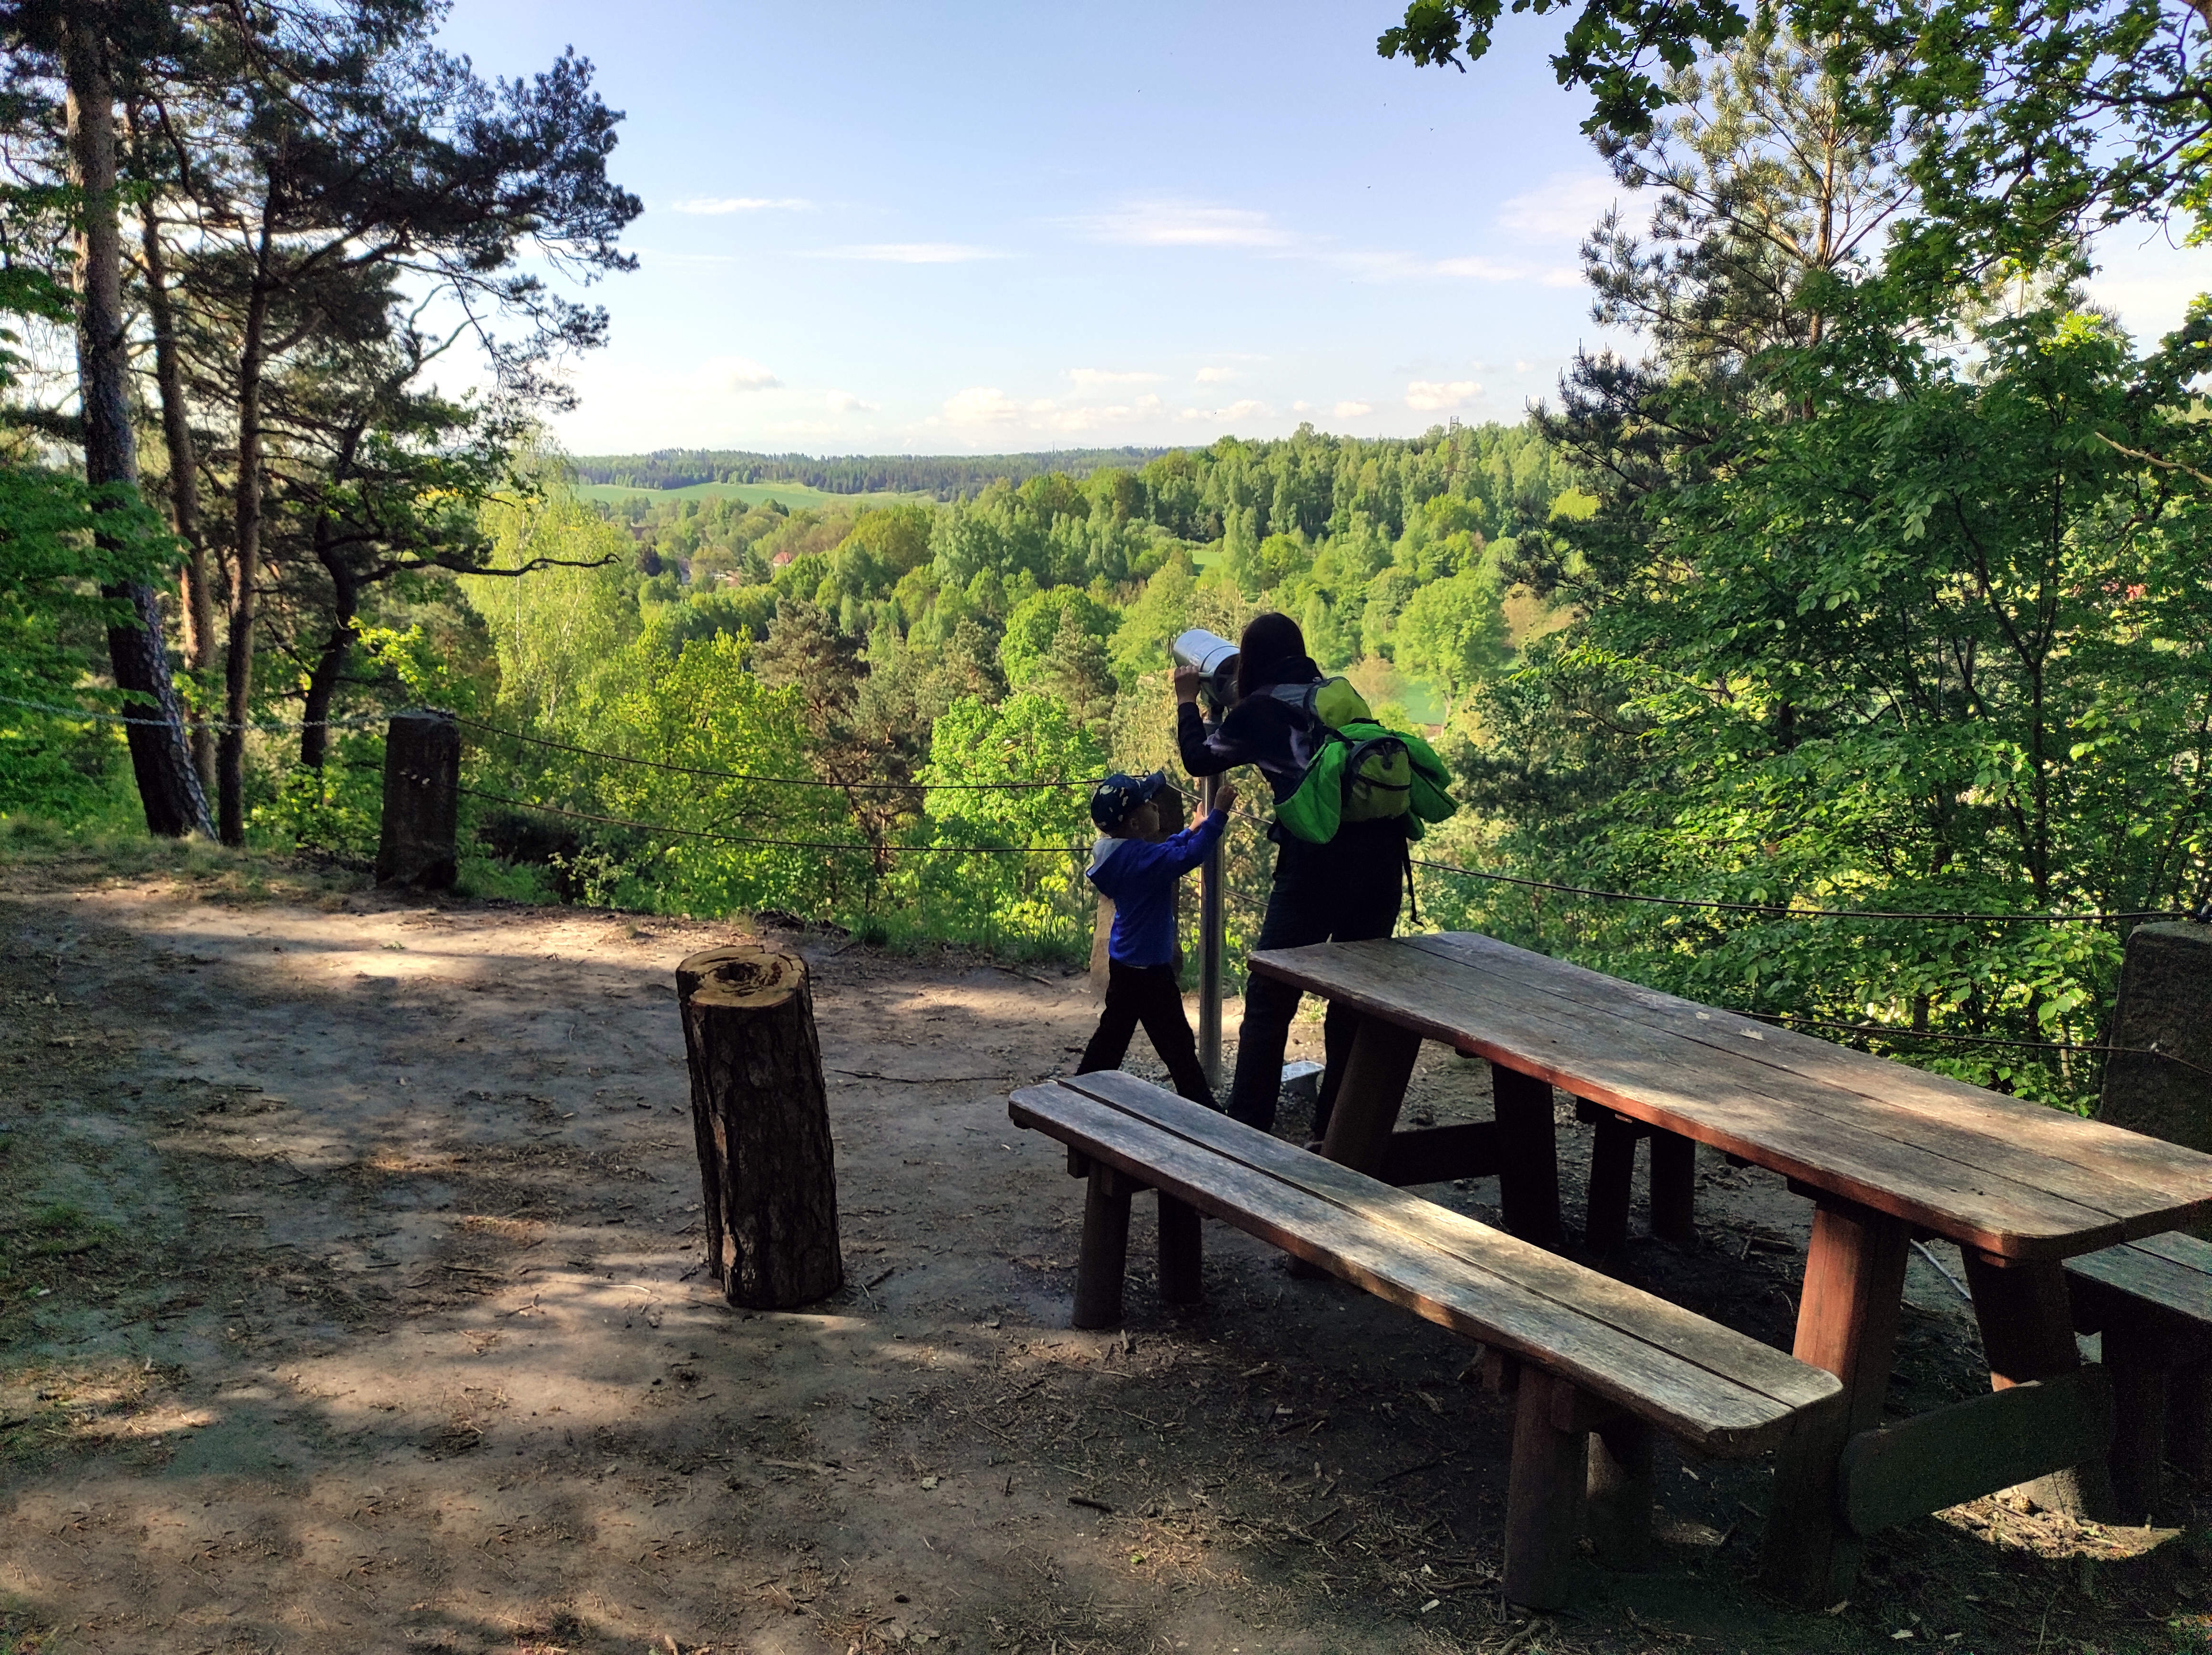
<point x="1847" y="1324"/>
<point x="1613" y="1170"/>
<point x="2027" y="1333"/>
<point x="1367" y="1100"/>
<point x="1527" y="1155"/>
<point x="1673" y="1187"/>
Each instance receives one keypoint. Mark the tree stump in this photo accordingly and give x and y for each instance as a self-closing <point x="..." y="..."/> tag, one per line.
<point x="416" y="844"/>
<point x="2157" y="1083"/>
<point x="761" y="1114"/>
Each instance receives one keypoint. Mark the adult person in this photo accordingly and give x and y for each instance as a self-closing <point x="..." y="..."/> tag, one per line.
<point x="1346" y="890"/>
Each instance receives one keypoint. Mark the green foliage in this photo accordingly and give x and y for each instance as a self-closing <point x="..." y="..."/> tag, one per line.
<point x="1037" y="900"/>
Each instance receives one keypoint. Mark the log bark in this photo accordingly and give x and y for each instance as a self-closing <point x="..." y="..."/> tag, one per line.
<point x="767" y="1170"/>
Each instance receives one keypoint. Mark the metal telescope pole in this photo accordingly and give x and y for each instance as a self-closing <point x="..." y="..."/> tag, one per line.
<point x="1209" y="947"/>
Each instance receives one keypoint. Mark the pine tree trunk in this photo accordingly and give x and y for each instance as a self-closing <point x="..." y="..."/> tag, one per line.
<point x="761" y="1114"/>
<point x="160" y="757"/>
<point x="194" y="587"/>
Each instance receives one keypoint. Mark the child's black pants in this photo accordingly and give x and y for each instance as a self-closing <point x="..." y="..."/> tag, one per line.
<point x="1147" y="995"/>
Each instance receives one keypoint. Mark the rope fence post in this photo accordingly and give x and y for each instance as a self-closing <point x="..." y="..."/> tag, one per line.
<point x="417" y="841"/>
<point x="1210" y="896"/>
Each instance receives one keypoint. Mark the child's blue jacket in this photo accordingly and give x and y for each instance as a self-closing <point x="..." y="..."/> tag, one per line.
<point x="1140" y="878"/>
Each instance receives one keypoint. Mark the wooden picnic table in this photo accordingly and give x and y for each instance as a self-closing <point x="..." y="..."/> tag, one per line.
<point x="1885" y="1152"/>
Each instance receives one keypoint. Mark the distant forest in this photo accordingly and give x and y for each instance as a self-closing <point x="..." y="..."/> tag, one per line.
<point x="947" y="476"/>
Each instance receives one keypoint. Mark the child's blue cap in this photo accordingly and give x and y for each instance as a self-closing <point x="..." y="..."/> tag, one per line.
<point x="1112" y="799"/>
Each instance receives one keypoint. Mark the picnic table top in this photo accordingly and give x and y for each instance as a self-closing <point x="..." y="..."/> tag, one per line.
<point x="2010" y="1179"/>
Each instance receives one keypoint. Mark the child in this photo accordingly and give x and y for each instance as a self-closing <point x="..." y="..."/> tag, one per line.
<point x="1140" y="877"/>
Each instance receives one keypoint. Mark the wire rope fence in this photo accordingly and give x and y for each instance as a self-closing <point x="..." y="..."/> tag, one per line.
<point x="914" y="871"/>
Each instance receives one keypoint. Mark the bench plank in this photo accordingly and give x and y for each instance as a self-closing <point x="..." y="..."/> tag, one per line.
<point x="1802" y="1129"/>
<point x="2153" y="1277"/>
<point x="2086" y="1161"/>
<point x="1717" y="1413"/>
<point x="1640" y="1315"/>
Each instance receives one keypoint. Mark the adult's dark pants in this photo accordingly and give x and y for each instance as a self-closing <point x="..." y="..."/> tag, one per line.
<point x="1147" y="995"/>
<point x="1346" y="891"/>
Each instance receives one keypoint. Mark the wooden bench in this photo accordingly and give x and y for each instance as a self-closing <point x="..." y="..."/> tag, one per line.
<point x="2152" y="1301"/>
<point x="1594" y="1365"/>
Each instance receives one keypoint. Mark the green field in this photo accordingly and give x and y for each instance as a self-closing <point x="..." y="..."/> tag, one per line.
<point x="796" y="495"/>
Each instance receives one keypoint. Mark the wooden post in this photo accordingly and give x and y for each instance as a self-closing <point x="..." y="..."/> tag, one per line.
<point x="1369" y="1095"/>
<point x="1619" y="1498"/>
<point x="2142" y="1371"/>
<point x="416" y="844"/>
<point x="1543" y="1492"/>
<point x="1612" y="1173"/>
<point x="2165" y="1007"/>
<point x="1181" y="1253"/>
<point x="761" y="1116"/>
<point x="2027" y="1333"/>
<point x="1527" y="1155"/>
<point x="1854" y="1290"/>
<point x="1673" y="1187"/>
<point x="1105" y="1254"/>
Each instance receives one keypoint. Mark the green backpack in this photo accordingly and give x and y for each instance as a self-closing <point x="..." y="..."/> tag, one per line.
<point x="1355" y="769"/>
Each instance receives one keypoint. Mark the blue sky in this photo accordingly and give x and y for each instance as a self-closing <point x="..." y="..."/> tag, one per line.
<point x="987" y="228"/>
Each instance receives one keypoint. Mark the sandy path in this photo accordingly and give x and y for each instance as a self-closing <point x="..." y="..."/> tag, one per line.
<point x="371" y="1320"/>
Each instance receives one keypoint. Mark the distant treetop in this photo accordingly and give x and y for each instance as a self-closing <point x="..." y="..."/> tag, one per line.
<point x="947" y="476"/>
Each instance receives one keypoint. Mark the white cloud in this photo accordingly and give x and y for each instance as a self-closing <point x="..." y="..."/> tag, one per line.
<point x="742" y="373"/>
<point x="914" y="252"/>
<point x="1176" y="223"/>
<point x="1352" y="410"/>
<point x="1435" y="396"/>
<point x="1565" y="207"/>
<point x="713" y="206"/>
<point x="844" y="401"/>
<point x="987" y="405"/>
<point x="1095" y="376"/>
<point x="1247" y="409"/>
<point x="1214" y="376"/>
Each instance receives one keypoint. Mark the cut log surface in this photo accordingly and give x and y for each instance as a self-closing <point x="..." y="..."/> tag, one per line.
<point x="2008" y="1177"/>
<point x="760" y="1109"/>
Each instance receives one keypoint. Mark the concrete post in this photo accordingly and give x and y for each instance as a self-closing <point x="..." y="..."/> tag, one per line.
<point x="421" y="802"/>
<point x="2165" y="1014"/>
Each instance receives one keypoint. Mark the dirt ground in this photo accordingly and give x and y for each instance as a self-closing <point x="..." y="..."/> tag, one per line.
<point x="351" y="1299"/>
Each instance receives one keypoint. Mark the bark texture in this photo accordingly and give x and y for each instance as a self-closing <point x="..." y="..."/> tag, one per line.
<point x="160" y="757"/>
<point x="759" y="1106"/>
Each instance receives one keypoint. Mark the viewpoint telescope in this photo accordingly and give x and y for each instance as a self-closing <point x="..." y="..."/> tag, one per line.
<point x="1215" y="656"/>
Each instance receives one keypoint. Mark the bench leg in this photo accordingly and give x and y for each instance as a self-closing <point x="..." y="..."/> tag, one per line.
<point x="1544" y="1494"/>
<point x="1105" y="1249"/>
<point x="1673" y="1187"/>
<point x="1527" y="1155"/>
<point x="1613" y="1170"/>
<point x="2189" y="1416"/>
<point x="2027" y="1333"/>
<point x="1619" y="1494"/>
<point x="2139" y="1375"/>
<point x="1847" y="1324"/>
<point x="1179" y="1251"/>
